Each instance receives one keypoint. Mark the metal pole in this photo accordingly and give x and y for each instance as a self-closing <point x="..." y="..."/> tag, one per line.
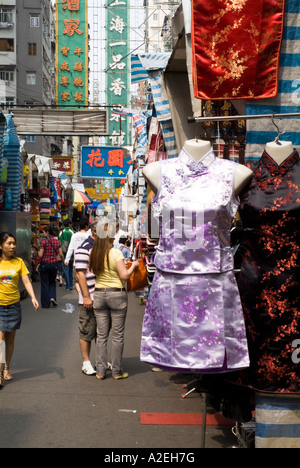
<point x="222" y="118"/>
<point x="203" y="427"/>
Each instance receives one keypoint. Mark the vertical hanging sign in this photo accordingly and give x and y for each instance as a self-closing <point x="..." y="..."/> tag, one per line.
<point x="71" y="53"/>
<point x="117" y="66"/>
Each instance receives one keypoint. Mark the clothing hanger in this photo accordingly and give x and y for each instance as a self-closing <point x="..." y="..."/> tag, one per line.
<point x="197" y="129"/>
<point x="278" y="130"/>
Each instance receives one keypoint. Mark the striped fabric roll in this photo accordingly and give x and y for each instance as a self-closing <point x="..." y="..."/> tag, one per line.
<point x="163" y="113"/>
<point x="141" y="63"/>
<point x="149" y="67"/>
<point x="140" y="122"/>
<point x="2" y="129"/>
<point x="277" y="421"/>
<point x="260" y="132"/>
<point x="169" y="138"/>
<point x="11" y="151"/>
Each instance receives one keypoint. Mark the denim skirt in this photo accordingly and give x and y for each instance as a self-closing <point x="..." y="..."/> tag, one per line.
<point x="10" y="317"/>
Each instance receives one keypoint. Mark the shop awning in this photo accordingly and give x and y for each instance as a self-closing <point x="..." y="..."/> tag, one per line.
<point x="43" y="164"/>
<point x="44" y="121"/>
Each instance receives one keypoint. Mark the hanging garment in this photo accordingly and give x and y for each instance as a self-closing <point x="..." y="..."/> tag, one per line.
<point x="193" y="319"/>
<point x="236" y="48"/>
<point x="287" y="99"/>
<point x="269" y="281"/>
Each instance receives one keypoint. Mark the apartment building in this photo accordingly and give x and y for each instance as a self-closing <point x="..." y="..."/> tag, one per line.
<point x="158" y="34"/>
<point x="27" y="61"/>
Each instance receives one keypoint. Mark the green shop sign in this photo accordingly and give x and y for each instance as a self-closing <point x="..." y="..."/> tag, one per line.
<point x="71" y="53"/>
<point x="117" y="69"/>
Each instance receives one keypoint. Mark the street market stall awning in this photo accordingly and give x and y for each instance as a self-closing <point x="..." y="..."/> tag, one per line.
<point x="80" y="197"/>
<point x="45" y="121"/>
<point x="95" y="205"/>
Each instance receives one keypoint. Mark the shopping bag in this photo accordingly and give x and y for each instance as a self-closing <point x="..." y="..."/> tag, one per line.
<point x="139" y="278"/>
<point x="156" y="150"/>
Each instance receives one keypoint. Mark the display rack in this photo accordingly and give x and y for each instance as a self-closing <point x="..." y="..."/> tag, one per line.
<point x="222" y="118"/>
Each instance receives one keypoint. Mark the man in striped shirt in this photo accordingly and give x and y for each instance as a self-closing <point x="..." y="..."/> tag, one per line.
<point x="87" y="320"/>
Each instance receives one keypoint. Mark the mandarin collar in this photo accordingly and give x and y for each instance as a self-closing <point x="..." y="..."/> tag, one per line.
<point x="281" y="169"/>
<point x="194" y="166"/>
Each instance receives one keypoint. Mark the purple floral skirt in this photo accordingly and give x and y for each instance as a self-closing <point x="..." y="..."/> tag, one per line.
<point x="194" y="323"/>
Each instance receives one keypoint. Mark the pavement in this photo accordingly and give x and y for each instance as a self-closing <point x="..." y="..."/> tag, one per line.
<point x="51" y="404"/>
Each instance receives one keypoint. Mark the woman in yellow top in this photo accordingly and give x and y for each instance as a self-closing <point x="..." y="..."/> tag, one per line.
<point x="110" y="299"/>
<point x="11" y="269"/>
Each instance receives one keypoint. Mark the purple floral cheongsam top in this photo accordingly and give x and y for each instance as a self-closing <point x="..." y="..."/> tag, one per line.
<point x="195" y="204"/>
<point x="193" y="318"/>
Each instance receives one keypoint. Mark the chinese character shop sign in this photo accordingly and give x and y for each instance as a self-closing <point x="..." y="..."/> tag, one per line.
<point x="71" y="53"/>
<point x="63" y="164"/>
<point x="104" y="162"/>
<point x="118" y="69"/>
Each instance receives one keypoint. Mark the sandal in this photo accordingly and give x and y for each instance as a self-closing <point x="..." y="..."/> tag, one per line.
<point x="123" y="376"/>
<point x="6" y="375"/>
<point x="100" y="377"/>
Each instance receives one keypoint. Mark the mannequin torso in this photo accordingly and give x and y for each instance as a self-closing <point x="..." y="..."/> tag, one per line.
<point x="279" y="151"/>
<point x="197" y="149"/>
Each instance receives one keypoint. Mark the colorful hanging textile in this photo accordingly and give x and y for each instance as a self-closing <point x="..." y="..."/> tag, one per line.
<point x="236" y="47"/>
<point x="140" y="123"/>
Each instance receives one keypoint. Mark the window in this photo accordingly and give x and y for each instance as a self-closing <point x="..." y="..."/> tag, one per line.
<point x="30" y="139"/>
<point x="7" y="45"/>
<point x="34" y="20"/>
<point x="10" y="100"/>
<point x="6" y="75"/>
<point x="7" y="101"/>
<point x="31" y="48"/>
<point x="31" y="79"/>
<point x="6" y="15"/>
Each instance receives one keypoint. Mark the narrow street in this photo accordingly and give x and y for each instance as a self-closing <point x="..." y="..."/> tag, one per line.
<point x="51" y="404"/>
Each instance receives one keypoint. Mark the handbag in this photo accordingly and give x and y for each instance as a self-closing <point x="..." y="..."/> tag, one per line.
<point x="139" y="278"/>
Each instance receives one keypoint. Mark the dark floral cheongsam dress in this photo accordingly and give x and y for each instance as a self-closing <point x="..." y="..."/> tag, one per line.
<point x="269" y="281"/>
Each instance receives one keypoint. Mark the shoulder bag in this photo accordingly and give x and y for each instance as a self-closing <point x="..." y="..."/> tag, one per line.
<point x="139" y="278"/>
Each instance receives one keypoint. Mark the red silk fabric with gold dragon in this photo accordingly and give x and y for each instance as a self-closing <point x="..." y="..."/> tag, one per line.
<point x="236" y="48"/>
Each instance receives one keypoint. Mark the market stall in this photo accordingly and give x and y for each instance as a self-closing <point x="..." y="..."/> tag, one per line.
<point x="221" y="110"/>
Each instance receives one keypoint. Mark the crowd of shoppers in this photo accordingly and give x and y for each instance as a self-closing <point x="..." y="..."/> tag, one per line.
<point x="101" y="273"/>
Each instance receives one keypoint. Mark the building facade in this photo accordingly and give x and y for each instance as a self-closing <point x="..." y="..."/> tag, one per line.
<point x="27" y="58"/>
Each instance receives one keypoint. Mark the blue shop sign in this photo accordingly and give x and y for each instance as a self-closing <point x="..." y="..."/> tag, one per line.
<point x="104" y="162"/>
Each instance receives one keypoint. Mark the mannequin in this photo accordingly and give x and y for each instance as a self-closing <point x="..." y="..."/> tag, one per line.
<point x="279" y="151"/>
<point x="197" y="149"/>
<point x="269" y="280"/>
<point x="193" y="319"/>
